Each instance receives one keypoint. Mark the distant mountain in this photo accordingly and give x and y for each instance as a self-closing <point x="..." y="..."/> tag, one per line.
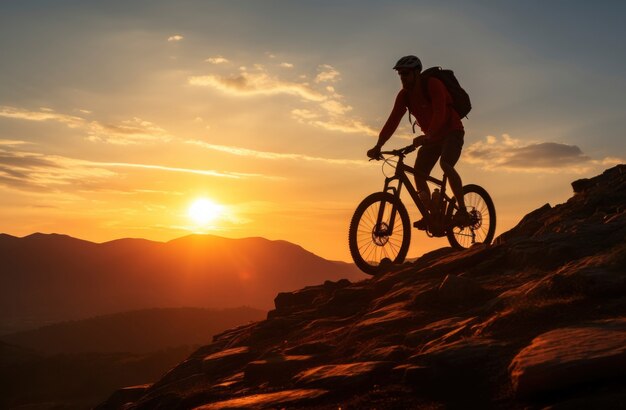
<point x="47" y="278"/>
<point x="141" y="331"/>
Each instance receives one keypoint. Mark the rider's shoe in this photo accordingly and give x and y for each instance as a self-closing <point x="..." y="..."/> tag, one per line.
<point x="461" y="218"/>
<point x="421" y="224"/>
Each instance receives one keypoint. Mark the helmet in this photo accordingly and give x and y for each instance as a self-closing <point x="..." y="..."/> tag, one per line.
<point x="409" y="62"/>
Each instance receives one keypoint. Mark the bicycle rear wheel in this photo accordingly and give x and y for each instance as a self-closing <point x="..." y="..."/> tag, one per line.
<point x="374" y="243"/>
<point x="482" y="226"/>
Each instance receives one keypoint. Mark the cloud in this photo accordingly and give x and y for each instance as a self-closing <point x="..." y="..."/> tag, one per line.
<point x="206" y="172"/>
<point x="327" y="109"/>
<point x="327" y="73"/>
<point x="286" y="65"/>
<point x="216" y="60"/>
<point x="133" y="131"/>
<point x="32" y="171"/>
<point x="304" y="115"/>
<point x="12" y="142"/>
<point x="347" y="126"/>
<point x="45" y="114"/>
<point x="515" y="155"/>
<point x="335" y="107"/>
<point x="245" y="152"/>
<point x="333" y="123"/>
<point x="175" y="38"/>
<point x="38" y="172"/>
<point x="258" y="83"/>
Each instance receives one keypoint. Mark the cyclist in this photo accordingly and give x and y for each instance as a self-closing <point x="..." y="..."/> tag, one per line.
<point x="429" y="102"/>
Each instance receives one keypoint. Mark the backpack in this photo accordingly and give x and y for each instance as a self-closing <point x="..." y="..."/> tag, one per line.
<point x="460" y="99"/>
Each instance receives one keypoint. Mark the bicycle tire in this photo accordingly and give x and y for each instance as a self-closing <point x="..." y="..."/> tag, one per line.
<point x="368" y="250"/>
<point x="483" y="213"/>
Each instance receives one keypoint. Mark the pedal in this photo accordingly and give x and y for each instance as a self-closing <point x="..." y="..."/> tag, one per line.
<point x="421" y="225"/>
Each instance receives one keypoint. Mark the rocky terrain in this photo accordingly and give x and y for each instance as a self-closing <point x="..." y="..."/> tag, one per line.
<point x="536" y="320"/>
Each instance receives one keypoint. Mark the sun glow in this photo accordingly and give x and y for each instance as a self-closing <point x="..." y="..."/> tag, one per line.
<point x="204" y="211"/>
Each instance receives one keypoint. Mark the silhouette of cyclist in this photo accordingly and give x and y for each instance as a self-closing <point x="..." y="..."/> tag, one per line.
<point x="428" y="100"/>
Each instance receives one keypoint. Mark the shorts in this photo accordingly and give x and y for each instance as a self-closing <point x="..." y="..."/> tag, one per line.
<point x="449" y="149"/>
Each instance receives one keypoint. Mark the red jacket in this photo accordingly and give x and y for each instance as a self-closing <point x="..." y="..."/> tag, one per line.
<point x="435" y="116"/>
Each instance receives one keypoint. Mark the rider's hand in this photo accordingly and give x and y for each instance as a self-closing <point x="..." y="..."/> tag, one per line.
<point x="374" y="153"/>
<point x="421" y="140"/>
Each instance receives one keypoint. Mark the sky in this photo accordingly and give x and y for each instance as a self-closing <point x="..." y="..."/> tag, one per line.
<point x="117" y="116"/>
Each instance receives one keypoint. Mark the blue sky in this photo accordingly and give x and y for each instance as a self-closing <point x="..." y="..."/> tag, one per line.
<point x="129" y="99"/>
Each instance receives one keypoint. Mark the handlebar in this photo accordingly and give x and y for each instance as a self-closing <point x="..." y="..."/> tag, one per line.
<point x="400" y="152"/>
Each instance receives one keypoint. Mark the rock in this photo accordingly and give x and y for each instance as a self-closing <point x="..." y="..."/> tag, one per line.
<point x="388" y="353"/>
<point x="294" y="300"/>
<point x="467" y="354"/>
<point x="570" y="356"/>
<point x="267" y="400"/>
<point x="221" y="362"/>
<point x="414" y="375"/>
<point x="341" y="283"/>
<point x="594" y="281"/>
<point x="312" y="348"/>
<point x="347" y="301"/>
<point x="582" y="185"/>
<point x="337" y="375"/>
<point x="458" y="290"/>
<point x="435" y="330"/>
<point x="120" y="398"/>
<point x="274" y="328"/>
<point x="459" y="372"/>
<point x="387" y="317"/>
<point x="275" y="369"/>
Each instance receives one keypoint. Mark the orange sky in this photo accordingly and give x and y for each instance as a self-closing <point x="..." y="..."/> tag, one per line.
<point x="127" y="116"/>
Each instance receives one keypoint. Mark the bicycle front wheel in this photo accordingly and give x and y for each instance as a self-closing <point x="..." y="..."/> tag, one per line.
<point x="375" y="238"/>
<point x="482" y="225"/>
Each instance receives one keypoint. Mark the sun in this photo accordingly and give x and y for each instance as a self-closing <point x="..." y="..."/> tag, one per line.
<point x="203" y="211"/>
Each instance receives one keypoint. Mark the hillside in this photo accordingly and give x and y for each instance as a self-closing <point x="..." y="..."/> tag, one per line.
<point x="141" y="331"/>
<point x="76" y="381"/>
<point x="52" y="278"/>
<point x="76" y="364"/>
<point x="538" y="319"/>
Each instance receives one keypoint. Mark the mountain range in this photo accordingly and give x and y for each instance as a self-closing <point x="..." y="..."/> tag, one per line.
<point x="48" y="278"/>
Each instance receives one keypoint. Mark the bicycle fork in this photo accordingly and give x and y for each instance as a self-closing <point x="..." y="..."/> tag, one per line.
<point x="382" y="228"/>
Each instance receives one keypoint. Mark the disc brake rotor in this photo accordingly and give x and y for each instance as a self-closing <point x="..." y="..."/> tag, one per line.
<point x="380" y="234"/>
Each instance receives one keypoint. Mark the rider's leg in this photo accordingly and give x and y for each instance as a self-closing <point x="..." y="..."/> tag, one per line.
<point x="455" y="182"/>
<point x="450" y="154"/>
<point x="423" y="190"/>
<point x="427" y="157"/>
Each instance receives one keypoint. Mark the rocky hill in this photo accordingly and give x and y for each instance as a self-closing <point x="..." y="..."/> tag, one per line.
<point x="538" y="319"/>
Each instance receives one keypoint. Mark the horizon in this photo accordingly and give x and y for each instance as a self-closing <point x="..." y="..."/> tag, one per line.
<point x="164" y="242"/>
<point x="155" y="121"/>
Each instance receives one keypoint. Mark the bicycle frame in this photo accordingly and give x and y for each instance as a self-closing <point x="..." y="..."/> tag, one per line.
<point x="401" y="175"/>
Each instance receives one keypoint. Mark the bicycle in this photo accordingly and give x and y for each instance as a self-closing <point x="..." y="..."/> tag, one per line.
<point x="377" y="239"/>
